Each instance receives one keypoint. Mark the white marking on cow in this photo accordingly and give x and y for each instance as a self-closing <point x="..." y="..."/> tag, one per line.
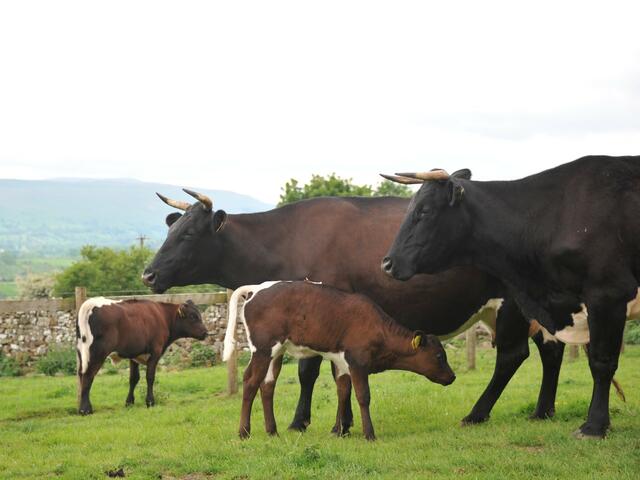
<point x="140" y="359"/>
<point x="86" y="337"/>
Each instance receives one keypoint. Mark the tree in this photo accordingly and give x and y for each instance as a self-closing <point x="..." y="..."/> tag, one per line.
<point x="102" y="270"/>
<point x="334" y="186"/>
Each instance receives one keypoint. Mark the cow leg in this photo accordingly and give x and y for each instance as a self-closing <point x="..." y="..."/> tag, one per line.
<point x="267" y="390"/>
<point x="360" y="380"/>
<point x="606" y="326"/>
<point x="512" y="344"/>
<point x="134" y="377"/>
<point x="254" y="375"/>
<point x="308" y="371"/>
<point x="152" y="363"/>
<point x="551" y="356"/>
<point x="344" y="419"/>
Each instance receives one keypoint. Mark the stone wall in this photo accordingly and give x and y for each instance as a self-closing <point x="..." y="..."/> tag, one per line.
<point x="29" y="335"/>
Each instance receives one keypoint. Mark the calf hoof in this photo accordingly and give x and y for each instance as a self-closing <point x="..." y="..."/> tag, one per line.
<point x="473" y="420"/>
<point x="341" y="431"/>
<point x="244" y="433"/>
<point x="371" y="437"/>
<point x="299" y="425"/>
<point x="272" y="433"/>
<point x="129" y="402"/>
<point x="590" y="432"/>
<point x="150" y="403"/>
<point x="85" y="411"/>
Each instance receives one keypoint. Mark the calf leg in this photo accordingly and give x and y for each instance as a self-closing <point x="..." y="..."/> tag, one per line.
<point x="134" y="377"/>
<point x="360" y="380"/>
<point x="512" y="343"/>
<point x="551" y="356"/>
<point x="86" y="380"/>
<point x="344" y="419"/>
<point x="344" y="415"/>
<point x="254" y="375"/>
<point x="267" y="390"/>
<point x="308" y="371"/>
<point x="606" y="326"/>
<point x="152" y="363"/>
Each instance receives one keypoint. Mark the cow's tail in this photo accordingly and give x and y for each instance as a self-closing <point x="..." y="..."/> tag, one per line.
<point x="230" y="335"/>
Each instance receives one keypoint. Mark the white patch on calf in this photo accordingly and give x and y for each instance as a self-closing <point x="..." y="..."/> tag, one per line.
<point x="302" y="351"/>
<point x="86" y="337"/>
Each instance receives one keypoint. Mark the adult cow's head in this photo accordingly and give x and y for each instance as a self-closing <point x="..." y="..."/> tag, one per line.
<point x="186" y="255"/>
<point x="434" y="227"/>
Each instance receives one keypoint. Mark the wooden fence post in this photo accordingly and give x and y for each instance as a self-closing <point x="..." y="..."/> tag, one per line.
<point x="471" y="347"/>
<point x="81" y="296"/>
<point x="232" y="363"/>
<point x="574" y="352"/>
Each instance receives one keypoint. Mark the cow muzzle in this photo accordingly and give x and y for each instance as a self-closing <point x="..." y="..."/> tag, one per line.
<point x="149" y="279"/>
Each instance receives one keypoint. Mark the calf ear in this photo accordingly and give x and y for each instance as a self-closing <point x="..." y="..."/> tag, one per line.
<point x="172" y="218"/>
<point x="418" y="339"/>
<point x="456" y="193"/>
<point x="219" y="220"/>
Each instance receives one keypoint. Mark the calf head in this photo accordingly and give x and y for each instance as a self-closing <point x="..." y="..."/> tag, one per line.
<point x="188" y="322"/>
<point x="430" y="359"/>
<point x="435" y="226"/>
<point x="188" y="254"/>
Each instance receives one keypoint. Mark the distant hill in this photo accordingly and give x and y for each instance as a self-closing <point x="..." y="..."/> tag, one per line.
<point x="59" y="216"/>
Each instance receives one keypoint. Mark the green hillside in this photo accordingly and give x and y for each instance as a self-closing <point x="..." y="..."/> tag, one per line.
<point x="57" y="217"/>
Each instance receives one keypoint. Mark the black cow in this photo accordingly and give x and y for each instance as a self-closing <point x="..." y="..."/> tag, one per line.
<point x="563" y="237"/>
<point x="339" y="241"/>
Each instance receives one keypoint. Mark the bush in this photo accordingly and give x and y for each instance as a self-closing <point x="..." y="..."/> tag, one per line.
<point x="8" y="366"/>
<point x="202" y="355"/>
<point x="632" y="333"/>
<point x="61" y="360"/>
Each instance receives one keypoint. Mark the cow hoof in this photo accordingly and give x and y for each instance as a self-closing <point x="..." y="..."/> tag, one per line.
<point x="299" y="426"/>
<point x="244" y="434"/>
<point x="370" y="437"/>
<point x="129" y="403"/>
<point x="150" y="403"/>
<point x="86" y="411"/>
<point x="588" y="432"/>
<point x="473" y="420"/>
<point x="542" y="415"/>
<point x="273" y="433"/>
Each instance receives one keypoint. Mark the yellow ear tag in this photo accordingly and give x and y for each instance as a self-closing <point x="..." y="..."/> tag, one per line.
<point x="415" y="343"/>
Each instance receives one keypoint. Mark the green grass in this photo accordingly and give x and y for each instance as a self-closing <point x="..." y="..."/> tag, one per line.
<point x="191" y="433"/>
<point x="8" y="290"/>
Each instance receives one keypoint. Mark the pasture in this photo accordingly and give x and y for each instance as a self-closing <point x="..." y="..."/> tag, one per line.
<point x="192" y="432"/>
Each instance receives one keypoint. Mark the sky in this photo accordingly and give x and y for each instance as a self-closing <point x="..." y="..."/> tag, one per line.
<point x="243" y="96"/>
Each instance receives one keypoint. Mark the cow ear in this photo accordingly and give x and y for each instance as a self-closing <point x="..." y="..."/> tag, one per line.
<point x="464" y="174"/>
<point x="172" y="218"/>
<point x="219" y="220"/>
<point x="456" y="193"/>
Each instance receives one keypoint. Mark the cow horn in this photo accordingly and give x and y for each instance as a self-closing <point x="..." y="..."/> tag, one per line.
<point x="398" y="179"/>
<point x="206" y="201"/>
<point x="432" y="175"/>
<point x="174" y="203"/>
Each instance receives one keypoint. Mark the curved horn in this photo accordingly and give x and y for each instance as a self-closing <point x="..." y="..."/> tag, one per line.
<point x="206" y="201"/>
<point x="398" y="179"/>
<point x="174" y="203"/>
<point x="432" y="175"/>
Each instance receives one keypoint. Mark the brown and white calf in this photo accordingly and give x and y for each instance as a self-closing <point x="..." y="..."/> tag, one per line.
<point x="307" y="319"/>
<point x="138" y="330"/>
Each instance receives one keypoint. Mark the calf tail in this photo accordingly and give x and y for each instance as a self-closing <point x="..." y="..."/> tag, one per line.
<point x="230" y="334"/>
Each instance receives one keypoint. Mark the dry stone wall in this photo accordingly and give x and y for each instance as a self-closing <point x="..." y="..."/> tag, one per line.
<point x="31" y="334"/>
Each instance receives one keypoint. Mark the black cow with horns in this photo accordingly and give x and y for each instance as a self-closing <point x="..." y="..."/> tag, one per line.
<point x="564" y="237"/>
<point x="340" y="241"/>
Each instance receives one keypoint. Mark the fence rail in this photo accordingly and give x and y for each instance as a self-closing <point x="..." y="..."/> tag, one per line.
<point x="60" y="304"/>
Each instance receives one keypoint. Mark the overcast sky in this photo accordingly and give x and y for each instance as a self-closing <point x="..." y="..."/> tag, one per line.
<point x="243" y="96"/>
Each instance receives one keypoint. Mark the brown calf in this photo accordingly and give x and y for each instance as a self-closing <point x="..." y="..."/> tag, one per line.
<point x="306" y="319"/>
<point x="137" y="330"/>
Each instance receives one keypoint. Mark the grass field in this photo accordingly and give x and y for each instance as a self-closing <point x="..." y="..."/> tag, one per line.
<point x="191" y="433"/>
